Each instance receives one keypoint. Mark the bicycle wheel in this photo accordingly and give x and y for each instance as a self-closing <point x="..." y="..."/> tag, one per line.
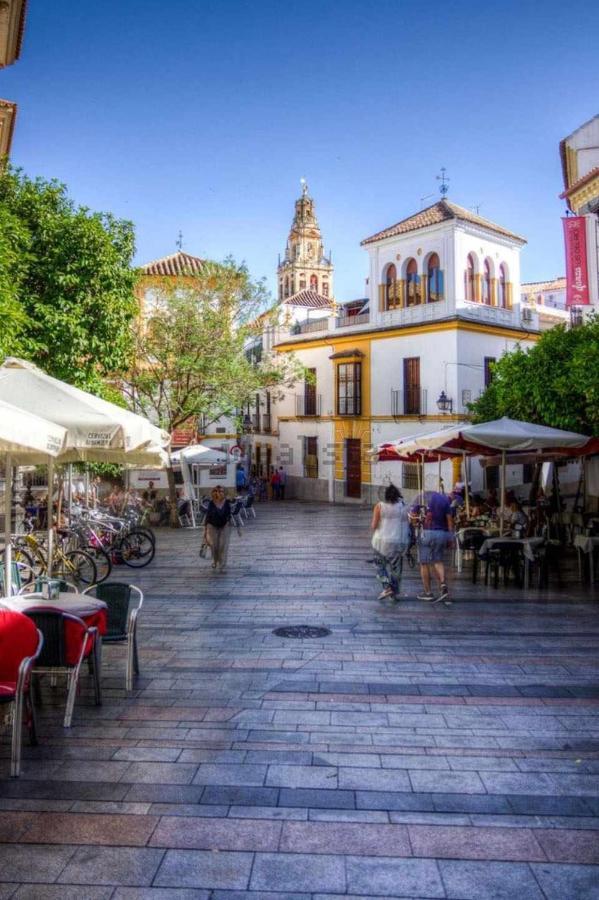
<point x="136" y="549"/>
<point x="144" y="529"/>
<point x="102" y="561"/>
<point x="26" y="564"/>
<point x="78" y="567"/>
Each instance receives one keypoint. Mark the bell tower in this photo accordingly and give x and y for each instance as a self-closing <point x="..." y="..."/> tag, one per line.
<point x="305" y="265"/>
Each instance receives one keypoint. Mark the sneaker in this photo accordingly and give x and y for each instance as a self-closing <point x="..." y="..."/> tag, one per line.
<point x="425" y="595"/>
<point x="388" y="592"/>
<point x="443" y="594"/>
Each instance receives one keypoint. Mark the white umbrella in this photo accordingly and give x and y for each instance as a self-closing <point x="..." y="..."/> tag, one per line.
<point x="96" y="430"/>
<point x="199" y="454"/>
<point x="27" y="439"/>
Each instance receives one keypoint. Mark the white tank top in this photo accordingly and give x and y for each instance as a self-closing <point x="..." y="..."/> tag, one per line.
<point x="392" y="533"/>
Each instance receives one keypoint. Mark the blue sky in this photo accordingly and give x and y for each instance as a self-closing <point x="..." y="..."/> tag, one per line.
<point x="203" y="116"/>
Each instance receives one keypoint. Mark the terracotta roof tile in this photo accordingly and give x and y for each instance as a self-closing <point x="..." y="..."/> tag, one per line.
<point x="176" y="264"/>
<point x="308" y="298"/>
<point x="581" y="182"/>
<point x="556" y="284"/>
<point x="442" y="211"/>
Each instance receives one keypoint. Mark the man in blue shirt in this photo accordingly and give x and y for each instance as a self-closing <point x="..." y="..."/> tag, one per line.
<point x="437" y="534"/>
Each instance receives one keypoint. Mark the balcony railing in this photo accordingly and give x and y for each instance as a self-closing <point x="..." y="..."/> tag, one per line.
<point x="307" y="404"/>
<point x="266" y="423"/>
<point x="346" y="321"/>
<point x="409" y="402"/>
<point x="256" y="422"/>
<point x="311" y="325"/>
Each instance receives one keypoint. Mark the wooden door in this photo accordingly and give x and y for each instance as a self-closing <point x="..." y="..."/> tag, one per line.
<point x="353" y="476"/>
<point x="411" y="382"/>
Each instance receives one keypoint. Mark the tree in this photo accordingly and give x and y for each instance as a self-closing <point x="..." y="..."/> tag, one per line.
<point x="190" y="355"/>
<point x="554" y="383"/>
<point x="72" y="301"/>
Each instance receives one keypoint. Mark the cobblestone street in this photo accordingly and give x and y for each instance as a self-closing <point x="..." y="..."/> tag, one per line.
<point x="418" y="751"/>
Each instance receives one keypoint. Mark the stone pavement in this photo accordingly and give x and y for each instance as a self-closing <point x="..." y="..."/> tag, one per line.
<point x="417" y="752"/>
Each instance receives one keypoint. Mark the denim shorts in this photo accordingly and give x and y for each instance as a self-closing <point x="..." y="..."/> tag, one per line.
<point x="433" y="545"/>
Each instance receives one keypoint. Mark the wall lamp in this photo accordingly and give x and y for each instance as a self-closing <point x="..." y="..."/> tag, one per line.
<point x="444" y="403"/>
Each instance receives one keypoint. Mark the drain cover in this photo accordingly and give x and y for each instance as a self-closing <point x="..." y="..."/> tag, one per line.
<point x="302" y="631"/>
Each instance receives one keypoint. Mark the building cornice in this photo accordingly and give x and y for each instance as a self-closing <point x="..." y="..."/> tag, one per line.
<point x="12" y="25"/>
<point x="8" y="114"/>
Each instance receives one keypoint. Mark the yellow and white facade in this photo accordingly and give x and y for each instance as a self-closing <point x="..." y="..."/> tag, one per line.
<point x="443" y="304"/>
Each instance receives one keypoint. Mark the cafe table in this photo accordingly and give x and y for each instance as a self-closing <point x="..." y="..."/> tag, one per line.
<point x="586" y="544"/>
<point x="92" y="611"/>
<point x="529" y="545"/>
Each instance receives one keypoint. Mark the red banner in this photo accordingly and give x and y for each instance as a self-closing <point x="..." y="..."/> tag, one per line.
<point x="577" y="279"/>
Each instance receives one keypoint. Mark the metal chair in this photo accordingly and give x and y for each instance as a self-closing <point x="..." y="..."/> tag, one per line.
<point x="248" y="506"/>
<point x="122" y="621"/>
<point x="236" y="507"/>
<point x="471" y="540"/>
<point x="16" y="694"/>
<point x="508" y="557"/>
<point x="53" y="658"/>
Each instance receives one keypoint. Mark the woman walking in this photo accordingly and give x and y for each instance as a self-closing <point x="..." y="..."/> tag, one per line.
<point x="390" y="540"/>
<point x="216" y="529"/>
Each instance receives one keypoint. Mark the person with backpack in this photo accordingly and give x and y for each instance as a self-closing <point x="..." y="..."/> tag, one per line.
<point x="390" y="540"/>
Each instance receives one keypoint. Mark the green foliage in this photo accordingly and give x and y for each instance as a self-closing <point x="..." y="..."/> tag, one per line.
<point x="14" y="246"/>
<point x="72" y="300"/>
<point x="554" y="383"/>
<point x="189" y="347"/>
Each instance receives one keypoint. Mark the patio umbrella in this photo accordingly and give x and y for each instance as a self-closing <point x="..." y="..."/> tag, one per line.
<point x="506" y="435"/>
<point x="96" y="430"/>
<point x="27" y="439"/>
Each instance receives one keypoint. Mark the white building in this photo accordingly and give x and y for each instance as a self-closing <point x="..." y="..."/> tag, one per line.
<point x="443" y="304"/>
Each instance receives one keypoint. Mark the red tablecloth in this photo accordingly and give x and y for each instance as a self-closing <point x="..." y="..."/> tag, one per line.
<point x="73" y="635"/>
<point x="18" y="639"/>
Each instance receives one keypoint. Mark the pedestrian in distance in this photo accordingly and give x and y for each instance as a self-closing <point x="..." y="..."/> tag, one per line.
<point x="390" y="539"/>
<point x="435" y="538"/>
<point x="216" y="528"/>
<point x="282" y="482"/>
<point x="275" y="484"/>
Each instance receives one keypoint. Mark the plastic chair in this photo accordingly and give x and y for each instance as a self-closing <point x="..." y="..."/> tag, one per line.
<point x="249" y="506"/>
<point x="472" y="540"/>
<point x="15" y="680"/>
<point x="236" y="508"/>
<point x="122" y="621"/>
<point x="53" y="658"/>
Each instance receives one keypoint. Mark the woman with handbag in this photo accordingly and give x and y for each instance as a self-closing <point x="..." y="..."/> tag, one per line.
<point x="390" y="540"/>
<point x="216" y="527"/>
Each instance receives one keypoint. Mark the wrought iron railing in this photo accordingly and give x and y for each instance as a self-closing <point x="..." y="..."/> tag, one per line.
<point x="409" y="402"/>
<point x="307" y="404"/>
<point x="346" y="321"/>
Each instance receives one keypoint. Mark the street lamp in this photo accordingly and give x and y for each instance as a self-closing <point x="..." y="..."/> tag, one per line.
<point x="444" y="403"/>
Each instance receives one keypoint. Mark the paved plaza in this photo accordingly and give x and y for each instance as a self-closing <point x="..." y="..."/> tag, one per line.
<point x="418" y="751"/>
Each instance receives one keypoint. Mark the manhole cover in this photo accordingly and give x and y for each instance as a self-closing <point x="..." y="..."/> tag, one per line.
<point x="301" y="631"/>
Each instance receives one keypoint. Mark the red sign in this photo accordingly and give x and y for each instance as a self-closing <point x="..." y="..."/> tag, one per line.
<point x="577" y="279"/>
<point x="183" y="435"/>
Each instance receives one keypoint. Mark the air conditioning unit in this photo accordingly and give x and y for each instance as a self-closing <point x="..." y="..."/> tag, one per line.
<point x="527" y="315"/>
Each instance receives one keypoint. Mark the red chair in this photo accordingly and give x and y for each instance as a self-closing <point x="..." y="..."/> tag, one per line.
<point x="20" y="646"/>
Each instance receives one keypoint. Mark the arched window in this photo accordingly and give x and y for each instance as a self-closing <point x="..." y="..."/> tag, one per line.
<point x="469" y="278"/>
<point x="302" y="283"/>
<point x="325" y="288"/>
<point x="391" y="287"/>
<point x="286" y="285"/>
<point x="503" y="301"/>
<point x="280" y="290"/>
<point x="413" y="285"/>
<point x="434" y="284"/>
<point x="314" y="283"/>
<point x="486" y="286"/>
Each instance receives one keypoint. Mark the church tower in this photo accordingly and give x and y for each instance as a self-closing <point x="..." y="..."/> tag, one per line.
<point x="305" y="265"/>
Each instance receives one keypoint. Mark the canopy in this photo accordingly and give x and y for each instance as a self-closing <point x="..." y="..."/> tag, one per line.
<point x="96" y="429"/>
<point x="503" y="434"/>
<point x="29" y="439"/>
<point x="200" y="454"/>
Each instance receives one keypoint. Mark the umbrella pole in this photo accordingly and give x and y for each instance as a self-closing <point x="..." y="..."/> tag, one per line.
<point x="466" y="491"/>
<point x="502" y="489"/>
<point x="439" y="464"/>
<point x="86" y="486"/>
<point x="70" y="477"/>
<point x="7" y="530"/>
<point x="50" y="516"/>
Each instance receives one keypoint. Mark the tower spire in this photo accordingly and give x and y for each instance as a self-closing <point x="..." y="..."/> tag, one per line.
<point x="305" y="265"/>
